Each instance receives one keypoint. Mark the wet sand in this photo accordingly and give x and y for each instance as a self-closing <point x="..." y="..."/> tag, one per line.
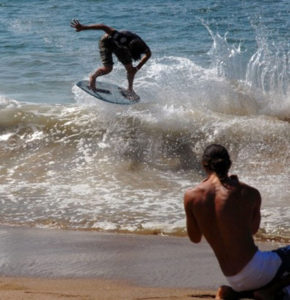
<point x="56" y="264"/>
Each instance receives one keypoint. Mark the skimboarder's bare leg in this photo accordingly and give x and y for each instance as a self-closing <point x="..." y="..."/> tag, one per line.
<point x="100" y="72"/>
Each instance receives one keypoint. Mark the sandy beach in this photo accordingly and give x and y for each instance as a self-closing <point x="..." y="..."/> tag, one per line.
<point x="50" y="289"/>
<point x="55" y="264"/>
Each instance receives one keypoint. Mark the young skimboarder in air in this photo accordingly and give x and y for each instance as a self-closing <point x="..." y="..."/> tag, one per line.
<point x="127" y="46"/>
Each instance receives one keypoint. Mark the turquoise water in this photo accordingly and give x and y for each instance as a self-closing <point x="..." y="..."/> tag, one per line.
<point x="219" y="72"/>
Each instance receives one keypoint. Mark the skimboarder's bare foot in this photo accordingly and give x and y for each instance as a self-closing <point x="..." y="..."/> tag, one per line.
<point x="130" y="94"/>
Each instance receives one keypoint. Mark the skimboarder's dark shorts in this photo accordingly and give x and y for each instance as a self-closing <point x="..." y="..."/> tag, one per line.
<point x="107" y="49"/>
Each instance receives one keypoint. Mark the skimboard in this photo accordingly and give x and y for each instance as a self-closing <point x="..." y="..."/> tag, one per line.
<point x="108" y="92"/>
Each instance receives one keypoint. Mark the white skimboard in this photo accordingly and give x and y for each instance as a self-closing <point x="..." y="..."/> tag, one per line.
<point x="108" y="92"/>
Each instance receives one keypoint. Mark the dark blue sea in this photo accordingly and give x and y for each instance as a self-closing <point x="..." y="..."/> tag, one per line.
<point x="219" y="73"/>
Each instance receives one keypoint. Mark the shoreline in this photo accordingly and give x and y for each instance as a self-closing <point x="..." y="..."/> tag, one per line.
<point x="45" y="264"/>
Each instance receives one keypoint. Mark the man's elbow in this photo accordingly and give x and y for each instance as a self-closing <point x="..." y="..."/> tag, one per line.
<point x="194" y="238"/>
<point x="148" y="53"/>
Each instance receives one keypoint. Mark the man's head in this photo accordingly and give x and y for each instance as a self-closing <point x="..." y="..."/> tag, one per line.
<point x="216" y="159"/>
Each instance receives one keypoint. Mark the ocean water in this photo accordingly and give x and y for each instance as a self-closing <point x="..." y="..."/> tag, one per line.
<point x="219" y="73"/>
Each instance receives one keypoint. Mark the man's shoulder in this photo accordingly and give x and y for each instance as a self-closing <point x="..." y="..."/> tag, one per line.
<point x="249" y="192"/>
<point x="248" y="188"/>
<point x="242" y="185"/>
<point x="195" y="194"/>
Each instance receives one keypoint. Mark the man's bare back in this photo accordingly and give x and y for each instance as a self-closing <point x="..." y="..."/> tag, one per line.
<point x="227" y="214"/>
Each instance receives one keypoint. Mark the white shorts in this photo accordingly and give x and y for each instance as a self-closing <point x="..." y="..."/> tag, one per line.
<point x="259" y="271"/>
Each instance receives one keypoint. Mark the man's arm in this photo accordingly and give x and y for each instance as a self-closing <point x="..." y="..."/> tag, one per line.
<point x="79" y="27"/>
<point x="193" y="230"/>
<point x="256" y="216"/>
<point x="144" y="59"/>
<point x="131" y="71"/>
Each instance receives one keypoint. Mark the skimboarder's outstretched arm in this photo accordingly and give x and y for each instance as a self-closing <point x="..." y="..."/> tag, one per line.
<point x="79" y="27"/>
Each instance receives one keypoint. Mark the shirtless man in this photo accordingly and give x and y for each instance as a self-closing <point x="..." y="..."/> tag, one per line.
<point x="127" y="46"/>
<point x="227" y="213"/>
